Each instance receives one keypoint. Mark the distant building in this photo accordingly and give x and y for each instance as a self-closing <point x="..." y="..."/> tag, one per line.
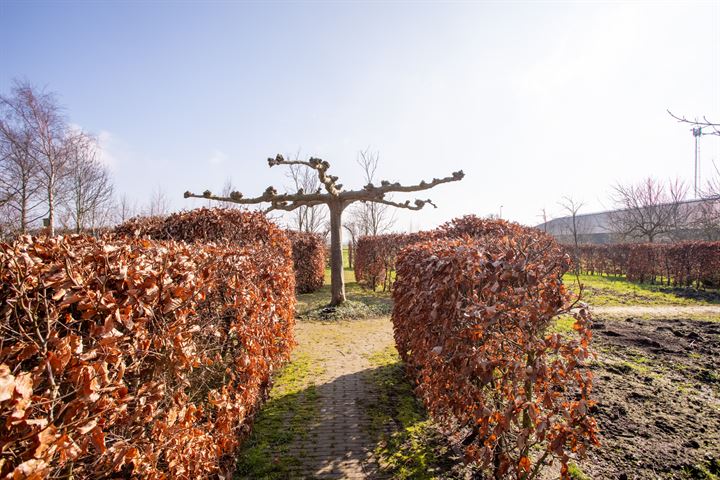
<point x="700" y="221"/>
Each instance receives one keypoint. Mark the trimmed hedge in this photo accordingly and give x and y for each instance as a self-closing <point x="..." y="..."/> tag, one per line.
<point x="683" y="263"/>
<point x="137" y="358"/>
<point x="234" y="226"/>
<point x="376" y="256"/>
<point x="308" y="250"/>
<point x="224" y="225"/>
<point x="471" y="311"/>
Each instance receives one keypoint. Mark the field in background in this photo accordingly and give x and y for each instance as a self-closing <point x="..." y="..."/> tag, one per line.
<point x="616" y="290"/>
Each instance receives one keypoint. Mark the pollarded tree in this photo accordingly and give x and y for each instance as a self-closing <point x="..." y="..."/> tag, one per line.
<point x="336" y="200"/>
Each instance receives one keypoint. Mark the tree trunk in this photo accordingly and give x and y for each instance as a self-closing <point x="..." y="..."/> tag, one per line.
<point x="337" y="281"/>
<point x="51" y="211"/>
<point x="23" y="211"/>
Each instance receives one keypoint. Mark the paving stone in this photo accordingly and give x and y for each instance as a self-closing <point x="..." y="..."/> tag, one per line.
<point x="337" y="444"/>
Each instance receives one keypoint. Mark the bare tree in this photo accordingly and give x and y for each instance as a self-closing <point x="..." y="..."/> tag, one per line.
<point x="125" y="209"/>
<point x="704" y="123"/>
<point x="371" y="218"/>
<point x="336" y="200"/>
<point x="45" y="125"/>
<point x="713" y="185"/>
<point x="649" y="209"/>
<point x="308" y="218"/>
<point x="353" y="229"/>
<point x="227" y="189"/>
<point x="19" y="185"/>
<point x="89" y="185"/>
<point x="574" y="224"/>
<point x="159" y="204"/>
<point x="706" y="217"/>
<point x="543" y="215"/>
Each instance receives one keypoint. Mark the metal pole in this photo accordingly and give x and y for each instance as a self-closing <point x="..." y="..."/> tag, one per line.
<point x="696" y="133"/>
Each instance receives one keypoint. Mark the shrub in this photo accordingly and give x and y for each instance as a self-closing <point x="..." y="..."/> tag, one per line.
<point x="470" y="319"/>
<point x="371" y="259"/>
<point x="136" y="358"/>
<point x="375" y="257"/>
<point x="308" y="250"/>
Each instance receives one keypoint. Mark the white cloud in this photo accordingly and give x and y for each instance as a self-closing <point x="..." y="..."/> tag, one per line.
<point x="105" y="143"/>
<point x="105" y="140"/>
<point x="218" y="157"/>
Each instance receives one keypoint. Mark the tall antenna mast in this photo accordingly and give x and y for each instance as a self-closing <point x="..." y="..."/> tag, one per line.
<point x="697" y="132"/>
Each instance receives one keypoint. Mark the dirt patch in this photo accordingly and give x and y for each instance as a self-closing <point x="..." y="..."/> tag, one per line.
<point x="658" y="388"/>
<point x="699" y="312"/>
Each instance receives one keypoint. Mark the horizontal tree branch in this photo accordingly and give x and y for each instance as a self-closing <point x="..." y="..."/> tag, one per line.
<point x="387" y="187"/>
<point x="698" y="123"/>
<point x="418" y="205"/>
<point x="270" y="196"/>
<point x="291" y="201"/>
<point x="289" y="207"/>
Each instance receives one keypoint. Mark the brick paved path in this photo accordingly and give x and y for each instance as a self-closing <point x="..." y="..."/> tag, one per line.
<point x="337" y="444"/>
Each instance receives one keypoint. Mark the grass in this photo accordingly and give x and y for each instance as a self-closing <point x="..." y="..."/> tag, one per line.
<point x="711" y="471"/>
<point x="562" y="324"/>
<point x="617" y="291"/>
<point x="349" y="310"/>
<point x="576" y="473"/>
<point x="409" y="446"/>
<point x="361" y="302"/>
<point x="293" y="405"/>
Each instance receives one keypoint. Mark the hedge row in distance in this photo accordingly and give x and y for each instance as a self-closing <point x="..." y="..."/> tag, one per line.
<point x="682" y="263"/>
<point x="136" y="358"/>
<point x="471" y="312"/>
<point x="375" y="257"/>
<point x="308" y="250"/>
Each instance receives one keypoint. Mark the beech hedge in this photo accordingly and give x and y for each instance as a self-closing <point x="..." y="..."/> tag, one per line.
<point x="137" y="358"/>
<point x="376" y="255"/>
<point x="472" y="306"/>
<point x="308" y="250"/>
<point x="682" y="263"/>
<point x="226" y="225"/>
<point x="235" y="226"/>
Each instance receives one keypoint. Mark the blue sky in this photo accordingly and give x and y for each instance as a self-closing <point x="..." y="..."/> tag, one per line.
<point x="532" y="100"/>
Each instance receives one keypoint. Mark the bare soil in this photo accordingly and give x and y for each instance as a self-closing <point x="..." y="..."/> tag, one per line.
<point x="658" y="388"/>
<point x="699" y="312"/>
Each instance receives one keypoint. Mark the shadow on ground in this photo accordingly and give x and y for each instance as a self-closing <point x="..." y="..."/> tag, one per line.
<point x="323" y="431"/>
